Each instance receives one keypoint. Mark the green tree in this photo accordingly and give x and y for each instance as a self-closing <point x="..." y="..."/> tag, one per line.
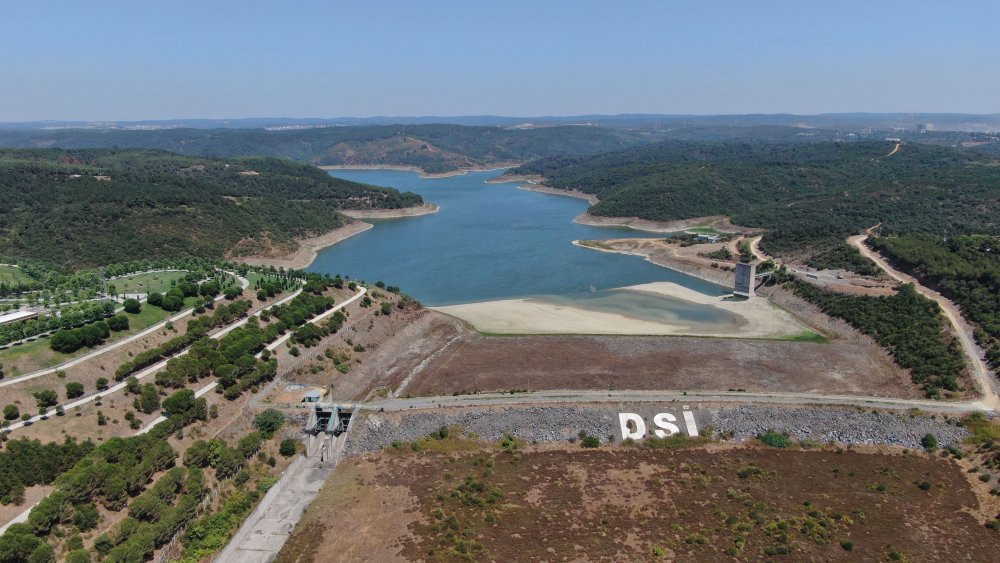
<point x="132" y="306"/>
<point x="46" y="398"/>
<point x="268" y="422"/>
<point x="11" y="412"/>
<point x="179" y="402"/>
<point x="149" y="398"/>
<point x="118" y="323"/>
<point x="288" y="447"/>
<point x="74" y="389"/>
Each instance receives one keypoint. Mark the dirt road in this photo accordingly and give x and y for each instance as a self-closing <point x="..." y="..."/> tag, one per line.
<point x="988" y="385"/>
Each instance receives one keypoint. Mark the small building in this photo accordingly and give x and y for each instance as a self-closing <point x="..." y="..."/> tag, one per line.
<point x="7" y="318"/>
<point x="312" y="396"/>
<point x="708" y="238"/>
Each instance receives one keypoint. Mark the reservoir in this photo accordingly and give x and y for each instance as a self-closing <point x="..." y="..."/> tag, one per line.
<point x="496" y="241"/>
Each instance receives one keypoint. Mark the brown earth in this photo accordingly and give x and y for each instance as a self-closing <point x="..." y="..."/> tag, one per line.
<point x="560" y="502"/>
<point x="441" y="356"/>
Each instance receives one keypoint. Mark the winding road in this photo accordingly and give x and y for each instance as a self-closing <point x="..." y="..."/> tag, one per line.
<point x="985" y="380"/>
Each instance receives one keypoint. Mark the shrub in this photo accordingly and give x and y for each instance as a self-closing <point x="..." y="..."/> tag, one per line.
<point x="102" y="384"/>
<point x="268" y="422"/>
<point x="155" y="299"/>
<point x="287" y="447"/>
<point x="46" y="398"/>
<point x="775" y="439"/>
<point x="11" y="412"/>
<point x="929" y="442"/>
<point x="590" y="442"/>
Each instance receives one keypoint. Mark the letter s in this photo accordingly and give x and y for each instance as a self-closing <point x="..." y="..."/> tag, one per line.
<point x="640" y="426"/>
<point x="664" y="420"/>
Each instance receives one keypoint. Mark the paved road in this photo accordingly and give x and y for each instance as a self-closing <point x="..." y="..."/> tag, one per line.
<point x="603" y="396"/>
<point x="244" y="283"/>
<point x="988" y="384"/>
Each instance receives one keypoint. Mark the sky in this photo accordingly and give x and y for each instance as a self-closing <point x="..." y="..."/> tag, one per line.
<point x="117" y="60"/>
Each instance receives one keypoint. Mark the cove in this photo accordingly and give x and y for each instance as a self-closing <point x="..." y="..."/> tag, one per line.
<point x="495" y="241"/>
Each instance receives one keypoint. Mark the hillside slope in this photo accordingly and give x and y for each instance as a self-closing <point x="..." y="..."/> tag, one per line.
<point x="433" y="148"/>
<point x="809" y="197"/>
<point x="89" y="207"/>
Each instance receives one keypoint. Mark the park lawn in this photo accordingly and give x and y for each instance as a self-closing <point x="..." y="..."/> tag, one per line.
<point x="12" y="275"/>
<point x="31" y="356"/>
<point x="151" y="282"/>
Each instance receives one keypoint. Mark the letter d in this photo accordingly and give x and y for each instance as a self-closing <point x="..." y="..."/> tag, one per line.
<point x="640" y="426"/>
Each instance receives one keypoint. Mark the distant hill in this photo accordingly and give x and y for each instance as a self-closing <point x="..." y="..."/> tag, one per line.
<point x="93" y="206"/>
<point x="433" y="148"/>
<point x="845" y="122"/>
<point x="808" y="196"/>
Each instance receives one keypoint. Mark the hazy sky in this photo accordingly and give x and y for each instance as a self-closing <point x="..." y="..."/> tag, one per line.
<point x="104" y="60"/>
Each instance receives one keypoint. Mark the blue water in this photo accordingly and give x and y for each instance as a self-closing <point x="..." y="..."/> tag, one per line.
<point x="494" y="241"/>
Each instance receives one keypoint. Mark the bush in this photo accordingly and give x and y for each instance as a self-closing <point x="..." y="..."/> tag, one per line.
<point x="590" y="442"/>
<point x="133" y="306"/>
<point x="268" y="422"/>
<point x="775" y="439"/>
<point x="11" y="412"/>
<point x="74" y="389"/>
<point x="46" y="398"/>
<point x="929" y="442"/>
<point x="287" y="448"/>
<point x="155" y="299"/>
<point x="102" y="383"/>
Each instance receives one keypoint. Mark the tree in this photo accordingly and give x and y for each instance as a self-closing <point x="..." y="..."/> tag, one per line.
<point x="11" y="412"/>
<point x="149" y="398"/>
<point x="232" y="293"/>
<point x="268" y="422"/>
<point x="118" y="323"/>
<point x="287" y="447"/>
<point x="179" y="402"/>
<point x="172" y="303"/>
<point x="85" y="517"/>
<point x="102" y="384"/>
<point x="133" y="306"/>
<point x="78" y="556"/>
<point x="74" y="389"/>
<point x="46" y="398"/>
<point x="155" y="299"/>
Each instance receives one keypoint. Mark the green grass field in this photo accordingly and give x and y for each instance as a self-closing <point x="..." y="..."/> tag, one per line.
<point x="158" y="282"/>
<point x="37" y="355"/>
<point x="12" y="275"/>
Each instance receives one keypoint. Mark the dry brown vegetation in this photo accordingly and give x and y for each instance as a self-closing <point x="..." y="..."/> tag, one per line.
<point x="639" y="503"/>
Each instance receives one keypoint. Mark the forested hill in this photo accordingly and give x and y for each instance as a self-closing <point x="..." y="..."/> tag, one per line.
<point x="809" y="197"/>
<point x="91" y="207"/>
<point x="433" y="148"/>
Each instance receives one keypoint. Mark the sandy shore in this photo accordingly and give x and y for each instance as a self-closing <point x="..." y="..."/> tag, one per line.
<point x="425" y="209"/>
<point x="683" y="259"/>
<point x="754" y="318"/>
<point x="308" y="248"/>
<point x="720" y="223"/>
<point x="416" y="169"/>
<point x="590" y="198"/>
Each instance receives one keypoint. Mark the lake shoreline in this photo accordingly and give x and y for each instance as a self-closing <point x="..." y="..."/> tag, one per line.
<point x="718" y="277"/>
<point x="417" y="169"/>
<point x="415" y="211"/>
<point x="308" y="248"/>
<point x="753" y="318"/>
